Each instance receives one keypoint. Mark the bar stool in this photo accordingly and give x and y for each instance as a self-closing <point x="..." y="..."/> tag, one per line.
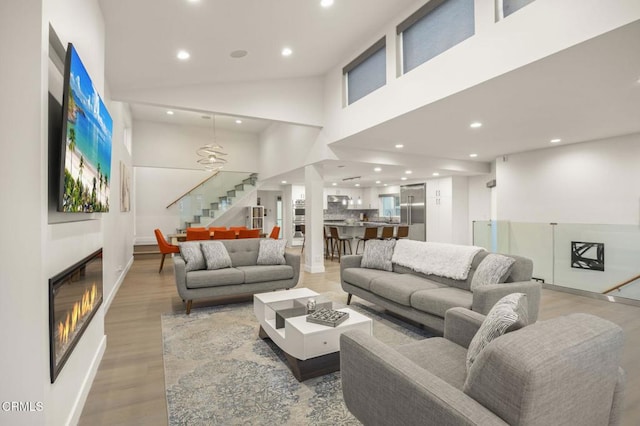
<point x="370" y="233"/>
<point x="337" y="239"/>
<point x="303" y="231"/>
<point x="387" y="233"/>
<point x="403" y="232"/>
<point x="328" y="243"/>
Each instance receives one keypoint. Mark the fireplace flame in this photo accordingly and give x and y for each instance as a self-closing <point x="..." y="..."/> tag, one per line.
<point x="77" y="313"/>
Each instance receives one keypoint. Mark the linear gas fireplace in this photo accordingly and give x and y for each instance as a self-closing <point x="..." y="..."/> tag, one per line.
<point x="75" y="295"/>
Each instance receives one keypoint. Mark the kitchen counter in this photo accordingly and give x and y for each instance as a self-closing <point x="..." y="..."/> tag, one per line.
<point x="356" y="229"/>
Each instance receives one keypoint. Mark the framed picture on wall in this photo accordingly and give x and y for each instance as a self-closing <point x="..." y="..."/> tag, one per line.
<point x="125" y="188"/>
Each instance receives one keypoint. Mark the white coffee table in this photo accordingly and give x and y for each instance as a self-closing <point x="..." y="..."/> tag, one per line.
<point x="311" y="349"/>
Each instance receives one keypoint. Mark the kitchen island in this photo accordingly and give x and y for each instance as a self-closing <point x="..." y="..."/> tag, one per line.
<point x="356" y="229"/>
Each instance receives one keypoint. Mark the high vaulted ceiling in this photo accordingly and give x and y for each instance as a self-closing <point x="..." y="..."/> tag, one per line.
<point x="586" y="92"/>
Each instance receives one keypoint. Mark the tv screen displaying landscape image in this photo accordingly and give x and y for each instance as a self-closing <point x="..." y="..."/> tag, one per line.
<point x="87" y="127"/>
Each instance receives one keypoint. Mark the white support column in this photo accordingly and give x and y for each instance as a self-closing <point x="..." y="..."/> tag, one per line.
<point x="314" y="219"/>
<point x="287" y="214"/>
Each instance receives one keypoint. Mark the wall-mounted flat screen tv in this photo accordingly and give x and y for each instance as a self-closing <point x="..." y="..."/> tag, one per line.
<point x="85" y="169"/>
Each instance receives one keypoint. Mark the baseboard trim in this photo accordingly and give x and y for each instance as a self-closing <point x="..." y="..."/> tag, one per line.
<point x="592" y="295"/>
<point x="78" y="406"/>
<point x="112" y="295"/>
<point x="314" y="269"/>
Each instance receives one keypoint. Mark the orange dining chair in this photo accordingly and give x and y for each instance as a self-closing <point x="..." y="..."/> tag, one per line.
<point x="275" y="233"/>
<point x="194" y="234"/>
<point x="217" y="228"/>
<point x="165" y="247"/>
<point x="225" y="235"/>
<point x="249" y="233"/>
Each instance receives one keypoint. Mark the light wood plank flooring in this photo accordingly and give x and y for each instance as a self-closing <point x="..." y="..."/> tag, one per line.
<point x="129" y="386"/>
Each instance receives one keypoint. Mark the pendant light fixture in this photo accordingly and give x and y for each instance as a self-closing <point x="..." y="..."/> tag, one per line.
<point x="211" y="154"/>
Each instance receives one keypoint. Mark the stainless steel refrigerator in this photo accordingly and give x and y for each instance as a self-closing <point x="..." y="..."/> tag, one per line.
<point x="413" y="210"/>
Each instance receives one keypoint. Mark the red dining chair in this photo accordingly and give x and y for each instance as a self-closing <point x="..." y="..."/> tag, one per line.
<point x="217" y="228"/>
<point x="165" y="247"/>
<point x="249" y="233"/>
<point x="225" y="235"/>
<point x="275" y="233"/>
<point x="194" y="234"/>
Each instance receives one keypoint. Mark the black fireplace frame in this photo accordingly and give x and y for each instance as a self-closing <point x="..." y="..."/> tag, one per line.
<point x="55" y="283"/>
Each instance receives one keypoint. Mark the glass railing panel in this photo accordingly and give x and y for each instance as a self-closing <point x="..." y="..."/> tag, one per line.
<point x="482" y="234"/>
<point x="534" y="241"/>
<point x="597" y="258"/>
<point x="212" y="198"/>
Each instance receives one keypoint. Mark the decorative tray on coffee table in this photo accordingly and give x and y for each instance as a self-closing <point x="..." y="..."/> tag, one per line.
<point x="328" y="317"/>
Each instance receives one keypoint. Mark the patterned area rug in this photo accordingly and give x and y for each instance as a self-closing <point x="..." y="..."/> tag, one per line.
<point x="219" y="372"/>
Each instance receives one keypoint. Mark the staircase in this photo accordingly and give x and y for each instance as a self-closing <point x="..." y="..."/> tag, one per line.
<point x="216" y="198"/>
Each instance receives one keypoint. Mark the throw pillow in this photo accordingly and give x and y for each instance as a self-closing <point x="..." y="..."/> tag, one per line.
<point x="494" y="269"/>
<point x="271" y="252"/>
<point x="215" y="255"/>
<point x="192" y="255"/>
<point x="508" y="314"/>
<point x="377" y="254"/>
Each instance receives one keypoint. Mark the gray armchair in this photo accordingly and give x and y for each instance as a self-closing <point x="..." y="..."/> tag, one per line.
<point x="564" y="371"/>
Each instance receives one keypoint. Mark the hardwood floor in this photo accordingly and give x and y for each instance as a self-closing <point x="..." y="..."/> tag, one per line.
<point x="129" y="386"/>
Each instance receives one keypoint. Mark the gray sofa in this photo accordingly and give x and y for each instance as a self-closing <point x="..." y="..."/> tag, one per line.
<point x="244" y="277"/>
<point x="426" y="298"/>
<point x="564" y="371"/>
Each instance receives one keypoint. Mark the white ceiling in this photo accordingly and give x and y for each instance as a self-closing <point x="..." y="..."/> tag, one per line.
<point x="587" y="92"/>
<point x="143" y="37"/>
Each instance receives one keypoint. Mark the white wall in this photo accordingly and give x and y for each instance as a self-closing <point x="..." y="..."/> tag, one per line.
<point x="297" y="100"/>
<point x="164" y="158"/>
<point x="38" y="249"/>
<point x="592" y="182"/>
<point x="544" y="27"/>
<point x="174" y="146"/>
<point x="23" y="296"/>
<point x="285" y="147"/>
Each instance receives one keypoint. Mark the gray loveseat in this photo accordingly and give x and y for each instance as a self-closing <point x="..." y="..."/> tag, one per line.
<point x="563" y="371"/>
<point x="244" y="276"/>
<point x="425" y="298"/>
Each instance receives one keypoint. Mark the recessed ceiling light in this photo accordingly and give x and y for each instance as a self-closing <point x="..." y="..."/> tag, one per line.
<point x="399" y="145"/>
<point x="556" y="140"/>
<point x="169" y="112"/>
<point x="473" y="155"/>
<point x="287" y="52"/>
<point x="357" y="184"/>
<point x="238" y="54"/>
<point x="384" y="184"/>
<point x="475" y="125"/>
<point x="194" y="1"/>
<point x="284" y="181"/>
<point x="238" y="121"/>
<point x="378" y="181"/>
<point x="377" y="169"/>
<point x="403" y="178"/>
<point x="326" y="3"/>
<point x="334" y="184"/>
<point x="183" y="55"/>
<point x="435" y="174"/>
<point x="408" y="172"/>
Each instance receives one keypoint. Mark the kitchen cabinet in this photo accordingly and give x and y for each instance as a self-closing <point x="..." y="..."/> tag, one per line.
<point x="447" y="210"/>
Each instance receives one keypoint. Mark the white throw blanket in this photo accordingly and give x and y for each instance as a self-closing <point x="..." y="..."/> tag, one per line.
<point x="444" y="260"/>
